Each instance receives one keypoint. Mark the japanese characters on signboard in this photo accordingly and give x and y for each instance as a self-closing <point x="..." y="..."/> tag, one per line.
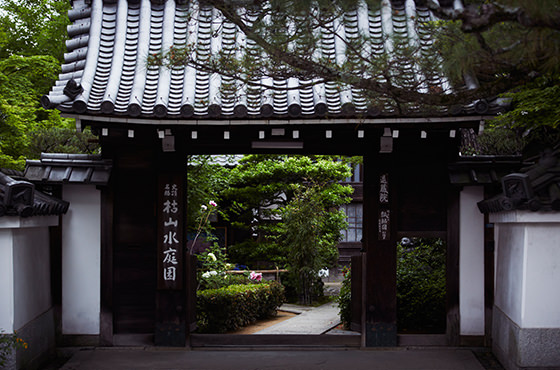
<point x="170" y="243"/>
<point x="384" y="217"/>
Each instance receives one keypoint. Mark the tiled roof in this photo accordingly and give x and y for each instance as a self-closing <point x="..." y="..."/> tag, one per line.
<point x="534" y="188"/>
<point x="482" y="170"/>
<point x="19" y="198"/>
<point x="106" y="73"/>
<point x="58" y="168"/>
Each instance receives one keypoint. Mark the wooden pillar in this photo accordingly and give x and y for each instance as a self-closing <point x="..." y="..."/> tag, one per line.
<point x="453" y="330"/>
<point x="170" y="325"/>
<point x="381" y="256"/>
<point x="107" y="219"/>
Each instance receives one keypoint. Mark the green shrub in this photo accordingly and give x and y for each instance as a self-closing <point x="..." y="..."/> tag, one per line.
<point x="221" y="280"/>
<point x="8" y="344"/>
<point x="421" y="286"/>
<point x="232" y="307"/>
<point x="344" y="299"/>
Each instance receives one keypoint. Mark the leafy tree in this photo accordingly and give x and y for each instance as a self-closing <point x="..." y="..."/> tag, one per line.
<point x="206" y="179"/>
<point x="32" y="34"/>
<point x="307" y="237"/>
<point x="26" y="129"/>
<point x="290" y="206"/>
<point x="421" y="286"/>
<point x="33" y="27"/>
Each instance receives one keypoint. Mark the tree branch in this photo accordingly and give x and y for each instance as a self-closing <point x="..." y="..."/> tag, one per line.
<point x="479" y="18"/>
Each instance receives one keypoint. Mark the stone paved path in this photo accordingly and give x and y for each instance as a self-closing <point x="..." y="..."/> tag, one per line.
<point x="310" y="321"/>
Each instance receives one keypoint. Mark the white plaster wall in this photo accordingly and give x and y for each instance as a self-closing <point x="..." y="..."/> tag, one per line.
<point x="81" y="256"/>
<point x="6" y="282"/>
<point x="509" y="269"/>
<point x="542" y="270"/>
<point x="32" y="294"/>
<point x="528" y="268"/>
<point x="471" y="262"/>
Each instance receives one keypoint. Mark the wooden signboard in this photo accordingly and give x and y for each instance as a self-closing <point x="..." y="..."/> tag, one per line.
<point x="384" y="216"/>
<point x="170" y="232"/>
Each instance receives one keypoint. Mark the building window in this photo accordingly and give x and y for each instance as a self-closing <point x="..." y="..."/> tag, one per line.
<point x="354" y="216"/>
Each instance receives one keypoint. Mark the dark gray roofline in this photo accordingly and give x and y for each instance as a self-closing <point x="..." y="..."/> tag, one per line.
<point x="19" y="198"/>
<point x="294" y="121"/>
<point x="534" y="188"/>
<point x="57" y="168"/>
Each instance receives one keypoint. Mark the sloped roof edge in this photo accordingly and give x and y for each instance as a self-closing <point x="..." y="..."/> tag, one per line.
<point x="105" y="73"/>
<point x="58" y="168"/>
<point x="20" y="198"/>
<point x="533" y="188"/>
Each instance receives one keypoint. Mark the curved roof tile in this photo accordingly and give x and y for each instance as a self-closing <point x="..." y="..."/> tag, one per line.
<point x="110" y="42"/>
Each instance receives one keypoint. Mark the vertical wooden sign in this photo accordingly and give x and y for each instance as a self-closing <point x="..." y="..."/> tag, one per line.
<point x="384" y="216"/>
<point x="170" y="232"/>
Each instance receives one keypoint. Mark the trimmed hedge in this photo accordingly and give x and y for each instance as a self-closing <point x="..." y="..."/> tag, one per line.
<point x="232" y="307"/>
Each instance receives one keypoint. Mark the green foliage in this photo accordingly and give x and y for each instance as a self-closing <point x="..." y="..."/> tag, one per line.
<point x="26" y="129"/>
<point x="262" y="186"/>
<point x="344" y="298"/>
<point x="292" y="286"/>
<point x="534" y="116"/>
<point x="33" y="27"/>
<point x="496" y="141"/>
<point x="308" y="239"/>
<point x="258" y="255"/>
<point x="9" y="343"/>
<point x="232" y="307"/>
<point x="206" y="180"/>
<point x="212" y="268"/>
<point x="220" y="280"/>
<point x="421" y="286"/>
<point x="32" y="34"/>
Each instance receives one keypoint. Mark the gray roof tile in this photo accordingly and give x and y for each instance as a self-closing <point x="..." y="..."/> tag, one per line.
<point x="20" y="198"/>
<point x="110" y="41"/>
<point x="69" y="168"/>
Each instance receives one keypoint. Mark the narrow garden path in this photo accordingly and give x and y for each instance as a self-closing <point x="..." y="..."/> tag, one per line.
<point x="309" y="321"/>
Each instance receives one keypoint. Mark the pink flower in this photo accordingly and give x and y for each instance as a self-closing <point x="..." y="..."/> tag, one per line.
<point x="212" y="203"/>
<point x="257" y="276"/>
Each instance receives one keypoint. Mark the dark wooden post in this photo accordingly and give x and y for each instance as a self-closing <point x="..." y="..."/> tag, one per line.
<point x="381" y="258"/>
<point x="170" y="326"/>
<point x="106" y="317"/>
<point x="452" y="268"/>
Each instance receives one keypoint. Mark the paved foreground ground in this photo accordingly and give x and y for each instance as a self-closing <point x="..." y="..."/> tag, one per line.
<point x="170" y="359"/>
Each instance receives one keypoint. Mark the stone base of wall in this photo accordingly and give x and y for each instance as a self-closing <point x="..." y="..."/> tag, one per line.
<point x="40" y="336"/>
<point x="524" y="349"/>
<point x="76" y="340"/>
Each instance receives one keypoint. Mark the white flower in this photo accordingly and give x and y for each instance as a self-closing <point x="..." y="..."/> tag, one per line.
<point x="212" y="257"/>
<point x="204" y="208"/>
<point x="207" y="274"/>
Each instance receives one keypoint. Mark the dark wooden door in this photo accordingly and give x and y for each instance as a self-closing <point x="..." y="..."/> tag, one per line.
<point x="356" y="289"/>
<point x="134" y="280"/>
